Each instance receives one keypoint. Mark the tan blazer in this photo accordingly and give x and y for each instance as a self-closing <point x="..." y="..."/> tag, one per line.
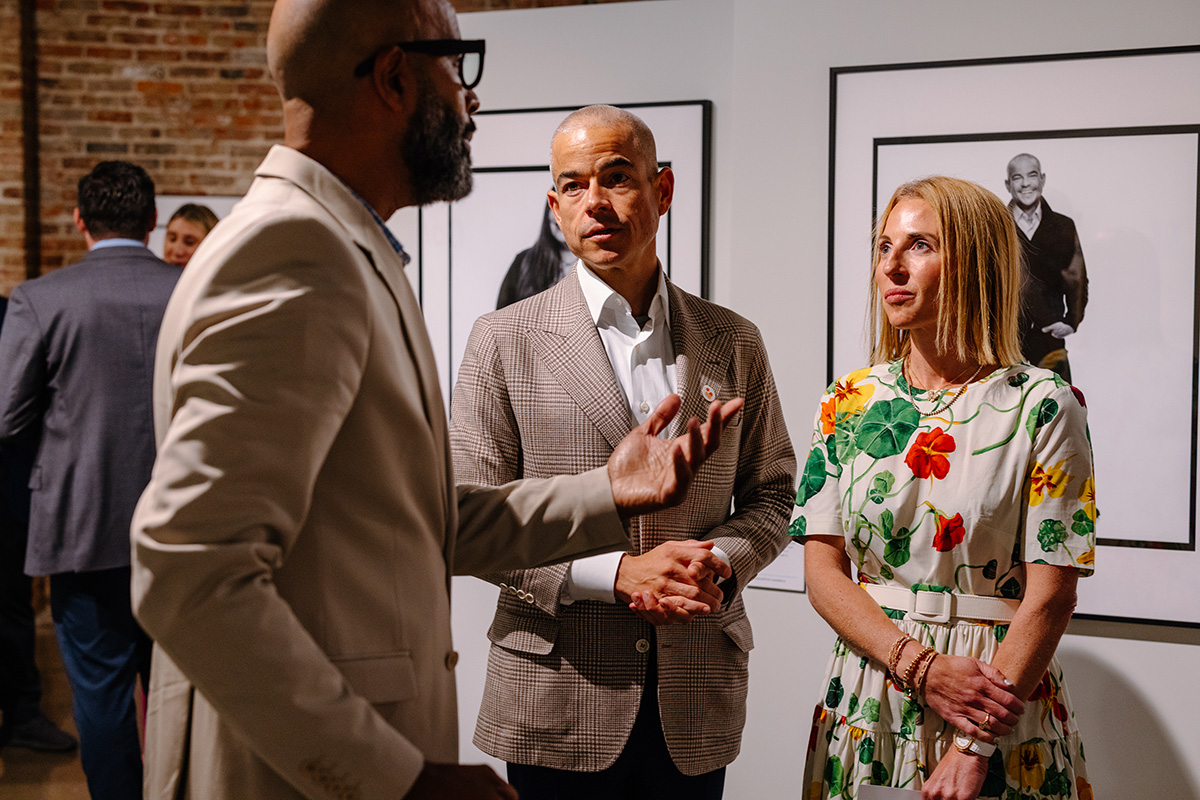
<point x="536" y="396"/>
<point x="292" y="551"/>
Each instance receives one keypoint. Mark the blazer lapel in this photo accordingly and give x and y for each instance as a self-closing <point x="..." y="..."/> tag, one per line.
<point x="571" y="349"/>
<point x="703" y="348"/>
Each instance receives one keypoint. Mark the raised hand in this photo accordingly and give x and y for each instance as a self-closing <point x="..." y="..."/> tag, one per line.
<point x="672" y="583"/>
<point x="470" y="782"/>
<point x="649" y="474"/>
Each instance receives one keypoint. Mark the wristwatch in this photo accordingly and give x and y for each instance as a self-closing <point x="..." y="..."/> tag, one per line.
<point x="969" y="744"/>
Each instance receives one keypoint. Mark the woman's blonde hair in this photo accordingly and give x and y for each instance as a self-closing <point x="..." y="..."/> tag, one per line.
<point x="203" y="216"/>
<point x="979" y="291"/>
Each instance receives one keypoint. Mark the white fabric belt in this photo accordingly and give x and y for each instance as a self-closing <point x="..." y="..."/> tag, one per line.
<point x="942" y="606"/>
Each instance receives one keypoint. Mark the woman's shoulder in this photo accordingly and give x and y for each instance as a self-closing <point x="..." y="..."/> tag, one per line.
<point x="884" y="372"/>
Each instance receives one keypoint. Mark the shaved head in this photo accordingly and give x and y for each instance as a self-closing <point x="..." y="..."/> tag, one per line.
<point x="314" y="45"/>
<point x="610" y="117"/>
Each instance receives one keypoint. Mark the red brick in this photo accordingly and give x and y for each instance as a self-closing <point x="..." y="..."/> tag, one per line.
<point x="159" y="87"/>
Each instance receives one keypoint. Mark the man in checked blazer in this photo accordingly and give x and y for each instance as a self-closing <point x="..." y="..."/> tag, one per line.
<point x="590" y="692"/>
<point x="76" y="357"/>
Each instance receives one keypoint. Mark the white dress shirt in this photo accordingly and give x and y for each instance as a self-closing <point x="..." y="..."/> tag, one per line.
<point x="1027" y="221"/>
<point x="643" y="359"/>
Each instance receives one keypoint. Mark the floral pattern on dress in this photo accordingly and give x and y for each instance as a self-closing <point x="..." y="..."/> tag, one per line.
<point x="954" y="502"/>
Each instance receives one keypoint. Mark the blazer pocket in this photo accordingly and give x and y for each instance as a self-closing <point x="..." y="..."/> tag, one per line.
<point x="523" y="633"/>
<point x="387" y="678"/>
<point x="739" y="631"/>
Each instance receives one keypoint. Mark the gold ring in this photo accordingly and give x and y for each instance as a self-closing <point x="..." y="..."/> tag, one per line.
<point x="986" y="725"/>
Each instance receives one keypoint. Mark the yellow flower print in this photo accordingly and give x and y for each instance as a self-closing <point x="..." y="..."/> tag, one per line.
<point x="1025" y="766"/>
<point x="1083" y="788"/>
<point x="1087" y="496"/>
<point x="1087" y="558"/>
<point x="856" y="734"/>
<point x="850" y="393"/>
<point x="1046" y="482"/>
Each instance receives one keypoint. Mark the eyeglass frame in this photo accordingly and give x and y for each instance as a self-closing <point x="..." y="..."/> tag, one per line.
<point x="435" y="47"/>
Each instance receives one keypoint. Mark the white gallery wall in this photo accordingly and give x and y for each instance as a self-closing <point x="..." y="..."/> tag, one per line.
<point x="765" y="65"/>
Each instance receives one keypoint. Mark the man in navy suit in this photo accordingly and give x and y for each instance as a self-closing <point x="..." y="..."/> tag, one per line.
<point x="24" y="724"/>
<point x="76" y="359"/>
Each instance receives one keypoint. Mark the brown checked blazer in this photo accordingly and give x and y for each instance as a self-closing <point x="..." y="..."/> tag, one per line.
<point x="536" y="396"/>
<point x="292" y="552"/>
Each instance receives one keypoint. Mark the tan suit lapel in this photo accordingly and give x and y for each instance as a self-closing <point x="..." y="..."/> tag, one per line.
<point x="702" y="353"/>
<point x="571" y="349"/>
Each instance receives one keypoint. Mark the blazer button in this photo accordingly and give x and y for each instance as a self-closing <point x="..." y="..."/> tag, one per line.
<point x="451" y="660"/>
<point x="642" y="646"/>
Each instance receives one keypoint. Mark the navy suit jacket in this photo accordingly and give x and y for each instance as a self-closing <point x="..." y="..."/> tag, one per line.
<point x="76" y="360"/>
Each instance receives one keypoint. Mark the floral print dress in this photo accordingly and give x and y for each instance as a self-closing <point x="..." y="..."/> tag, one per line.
<point x="955" y="502"/>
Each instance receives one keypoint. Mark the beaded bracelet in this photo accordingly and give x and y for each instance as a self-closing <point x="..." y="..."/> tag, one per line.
<point x="919" y="682"/>
<point x="893" y="662"/>
<point x="912" y="667"/>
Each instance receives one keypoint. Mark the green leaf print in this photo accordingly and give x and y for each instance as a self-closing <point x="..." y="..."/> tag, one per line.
<point x="879" y="774"/>
<point x="835" y="776"/>
<point x="880" y="486"/>
<point x="852" y="705"/>
<point x="1051" y="533"/>
<point x="1056" y="784"/>
<point x="896" y="552"/>
<point x="886" y="520"/>
<point x="834" y="696"/>
<point x="989" y="571"/>
<point x="1011" y="589"/>
<point x="798" y="527"/>
<point x="866" y="750"/>
<point x="1082" y="526"/>
<point x="911" y="716"/>
<point x="1018" y="379"/>
<point x="870" y="709"/>
<point x="831" y="452"/>
<point x="999" y="631"/>
<point x="843" y="438"/>
<point x="813" y="478"/>
<point x="1040" y="414"/>
<point x="885" y="572"/>
<point x="994" y="782"/>
<point x="886" y="428"/>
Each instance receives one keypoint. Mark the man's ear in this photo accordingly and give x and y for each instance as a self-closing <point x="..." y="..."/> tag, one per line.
<point x="80" y="225"/>
<point x="552" y="199"/>
<point x="392" y="78"/>
<point x="664" y="181"/>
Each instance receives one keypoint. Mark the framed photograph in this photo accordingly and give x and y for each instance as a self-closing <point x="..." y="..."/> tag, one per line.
<point x="1115" y="139"/>
<point x="168" y="204"/>
<point x="463" y="251"/>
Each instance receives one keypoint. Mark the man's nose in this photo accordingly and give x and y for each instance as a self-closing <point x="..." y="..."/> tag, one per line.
<point x="597" y="197"/>
<point x="472" y="101"/>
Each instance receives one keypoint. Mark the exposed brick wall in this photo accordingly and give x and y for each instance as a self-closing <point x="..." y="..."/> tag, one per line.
<point x="12" y="216"/>
<point x="179" y="87"/>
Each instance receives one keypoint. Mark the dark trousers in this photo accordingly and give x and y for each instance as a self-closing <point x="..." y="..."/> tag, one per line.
<point x="20" y="683"/>
<point x="644" y="768"/>
<point x="104" y="651"/>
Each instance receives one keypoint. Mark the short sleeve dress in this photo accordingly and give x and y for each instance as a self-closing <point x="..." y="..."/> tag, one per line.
<point x="958" y="501"/>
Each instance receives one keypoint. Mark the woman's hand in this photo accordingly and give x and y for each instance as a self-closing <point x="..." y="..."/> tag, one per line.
<point x="958" y="776"/>
<point x="964" y="691"/>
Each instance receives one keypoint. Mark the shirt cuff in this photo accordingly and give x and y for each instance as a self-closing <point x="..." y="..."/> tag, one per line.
<point x="719" y="553"/>
<point x="592" y="578"/>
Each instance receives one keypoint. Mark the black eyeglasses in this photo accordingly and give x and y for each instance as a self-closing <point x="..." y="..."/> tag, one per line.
<point x="469" y="52"/>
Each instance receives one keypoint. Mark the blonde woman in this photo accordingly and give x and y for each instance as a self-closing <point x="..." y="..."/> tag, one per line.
<point x="956" y="480"/>
<point x="187" y="227"/>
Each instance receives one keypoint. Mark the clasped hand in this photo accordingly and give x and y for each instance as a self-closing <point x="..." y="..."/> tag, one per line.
<point x="673" y="583"/>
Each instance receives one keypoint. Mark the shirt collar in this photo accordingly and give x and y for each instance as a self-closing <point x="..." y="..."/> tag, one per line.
<point x="117" y="242"/>
<point x="391" y="239"/>
<point x="600" y="295"/>
<point x="1029" y="216"/>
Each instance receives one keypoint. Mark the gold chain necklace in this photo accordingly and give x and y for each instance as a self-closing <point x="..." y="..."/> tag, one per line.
<point x="912" y="399"/>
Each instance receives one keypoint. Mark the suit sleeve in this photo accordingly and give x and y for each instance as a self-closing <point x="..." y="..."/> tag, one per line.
<point x="756" y="532"/>
<point x="23" y="369"/>
<point x="1075" y="283"/>
<point x="264" y="377"/>
<point x="486" y="446"/>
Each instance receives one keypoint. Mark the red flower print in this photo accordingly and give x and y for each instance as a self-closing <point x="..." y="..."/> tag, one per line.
<point x="927" y="456"/>
<point x="950" y="532"/>
<point x="1047" y="692"/>
<point x="1079" y="396"/>
<point x="828" y="414"/>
